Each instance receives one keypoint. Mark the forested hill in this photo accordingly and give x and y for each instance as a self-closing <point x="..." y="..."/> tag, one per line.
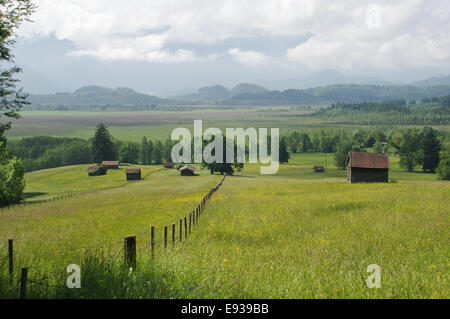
<point x="97" y="96"/>
<point x="347" y="93"/>
<point x="428" y="111"/>
<point x="90" y="97"/>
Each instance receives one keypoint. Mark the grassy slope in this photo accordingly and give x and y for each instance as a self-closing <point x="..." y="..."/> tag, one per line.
<point x="74" y="179"/>
<point x="296" y="234"/>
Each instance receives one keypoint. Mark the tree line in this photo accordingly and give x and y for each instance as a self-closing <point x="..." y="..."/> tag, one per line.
<point x="40" y="152"/>
<point x="427" y="148"/>
<point x="428" y="111"/>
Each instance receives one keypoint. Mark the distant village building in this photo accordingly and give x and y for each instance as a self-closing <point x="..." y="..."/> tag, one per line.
<point x="367" y="167"/>
<point x="111" y="164"/>
<point x="95" y="171"/>
<point x="319" y="169"/>
<point x="187" y="170"/>
<point x="168" y="165"/>
<point x="133" y="174"/>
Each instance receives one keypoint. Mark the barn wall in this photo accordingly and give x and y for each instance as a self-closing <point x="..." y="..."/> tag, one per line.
<point x="187" y="172"/>
<point x="369" y="175"/>
<point x="131" y="177"/>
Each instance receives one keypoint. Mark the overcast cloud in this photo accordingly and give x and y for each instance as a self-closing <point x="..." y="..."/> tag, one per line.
<point x="341" y="35"/>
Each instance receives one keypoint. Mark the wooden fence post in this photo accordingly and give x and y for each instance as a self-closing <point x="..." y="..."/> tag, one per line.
<point x="181" y="229"/>
<point x="165" y="237"/>
<point x="11" y="259"/>
<point x="130" y="251"/>
<point x="190" y="222"/>
<point x="23" y="283"/>
<point x="173" y="234"/>
<point x="152" y="241"/>
<point x="185" y="227"/>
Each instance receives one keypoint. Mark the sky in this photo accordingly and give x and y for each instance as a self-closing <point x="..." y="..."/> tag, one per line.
<point x="175" y="46"/>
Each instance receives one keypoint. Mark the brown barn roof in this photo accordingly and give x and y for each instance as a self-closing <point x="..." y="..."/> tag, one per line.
<point x="93" y="168"/>
<point x="133" y="170"/>
<point x="189" y="167"/>
<point x="110" y="162"/>
<point x="368" y="160"/>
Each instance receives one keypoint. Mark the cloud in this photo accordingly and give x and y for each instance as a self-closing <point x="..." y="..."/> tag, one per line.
<point x="252" y="58"/>
<point x="350" y="34"/>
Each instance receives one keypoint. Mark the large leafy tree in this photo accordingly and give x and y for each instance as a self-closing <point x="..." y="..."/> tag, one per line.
<point x="129" y="153"/>
<point x="223" y="168"/>
<point x="340" y="157"/>
<point x="12" y="99"/>
<point x="103" y="148"/>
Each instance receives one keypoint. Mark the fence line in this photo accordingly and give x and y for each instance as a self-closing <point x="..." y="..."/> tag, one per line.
<point x="69" y="195"/>
<point x="129" y="243"/>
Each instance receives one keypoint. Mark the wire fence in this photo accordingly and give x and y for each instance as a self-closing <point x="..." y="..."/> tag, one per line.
<point x="176" y="232"/>
<point x="68" y="195"/>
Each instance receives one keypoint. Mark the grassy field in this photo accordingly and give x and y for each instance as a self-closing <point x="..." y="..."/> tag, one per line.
<point x="296" y="234"/>
<point x="59" y="181"/>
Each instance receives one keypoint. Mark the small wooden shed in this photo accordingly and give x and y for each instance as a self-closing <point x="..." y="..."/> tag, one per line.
<point x="187" y="170"/>
<point x="133" y="174"/>
<point x="111" y="164"/>
<point x="319" y="169"/>
<point x="367" y="167"/>
<point x="168" y="165"/>
<point x="95" y="171"/>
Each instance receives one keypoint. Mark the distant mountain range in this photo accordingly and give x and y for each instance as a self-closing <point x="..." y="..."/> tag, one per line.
<point x="437" y="80"/>
<point x="242" y="94"/>
<point x="96" y="96"/>
<point x="218" y="93"/>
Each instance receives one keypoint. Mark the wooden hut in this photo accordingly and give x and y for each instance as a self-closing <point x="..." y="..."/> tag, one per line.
<point x="319" y="169"/>
<point x="187" y="170"/>
<point x="133" y="174"/>
<point x="111" y="164"/>
<point x="168" y="165"/>
<point x="96" y="171"/>
<point x="367" y="167"/>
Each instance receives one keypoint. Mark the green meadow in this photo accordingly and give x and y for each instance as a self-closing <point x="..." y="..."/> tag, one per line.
<point x="295" y="234"/>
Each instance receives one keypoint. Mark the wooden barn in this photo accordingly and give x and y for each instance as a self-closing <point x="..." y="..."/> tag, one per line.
<point x="367" y="167"/>
<point x="168" y="165"/>
<point x="95" y="171"/>
<point x="187" y="170"/>
<point x="133" y="174"/>
<point x="319" y="169"/>
<point x="111" y="164"/>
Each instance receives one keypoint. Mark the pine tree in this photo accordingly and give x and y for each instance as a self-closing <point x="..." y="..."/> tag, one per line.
<point x="168" y="150"/>
<point x="158" y="152"/>
<point x="103" y="148"/>
<point x="149" y="152"/>
<point x="443" y="168"/>
<point x="144" y="151"/>
<point x="284" y="153"/>
<point x="431" y="148"/>
<point x="409" y="151"/>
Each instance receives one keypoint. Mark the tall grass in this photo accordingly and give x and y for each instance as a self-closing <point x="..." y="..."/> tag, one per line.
<point x="297" y="234"/>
